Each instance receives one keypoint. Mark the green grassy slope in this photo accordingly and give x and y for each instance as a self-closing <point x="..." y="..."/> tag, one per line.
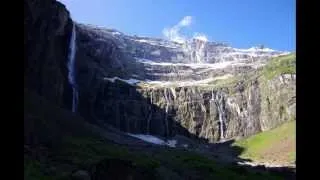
<point x="280" y="65"/>
<point x="276" y="145"/>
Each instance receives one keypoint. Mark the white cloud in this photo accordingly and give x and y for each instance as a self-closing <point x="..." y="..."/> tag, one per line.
<point x="186" y="21"/>
<point x="173" y="33"/>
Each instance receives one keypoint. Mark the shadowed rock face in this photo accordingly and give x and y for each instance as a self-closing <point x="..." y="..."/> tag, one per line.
<point x="181" y="94"/>
<point x="47" y="28"/>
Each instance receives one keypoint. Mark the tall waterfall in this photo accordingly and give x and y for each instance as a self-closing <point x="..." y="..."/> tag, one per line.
<point x="71" y="68"/>
<point x="212" y="95"/>
<point x="196" y="50"/>
<point x="150" y="114"/>
<point x="219" y="103"/>
<point x="200" y="51"/>
<point x="167" y="109"/>
<point x="221" y="115"/>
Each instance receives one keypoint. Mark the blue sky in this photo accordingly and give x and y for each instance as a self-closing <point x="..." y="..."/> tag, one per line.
<point x="241" y="23"/>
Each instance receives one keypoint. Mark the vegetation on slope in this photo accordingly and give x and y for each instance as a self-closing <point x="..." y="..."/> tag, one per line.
<point x="85" y="153"/>
<point x="57" y="144"/>
<point x="276" y="66"/>
<point x="276" y="145"/>
<point x="280" y="65"/>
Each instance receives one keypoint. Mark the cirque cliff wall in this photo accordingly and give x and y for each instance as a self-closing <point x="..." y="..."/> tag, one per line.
<point x="214" y="101"/>
<point x="117" y="86"/>
<point x="237" y="109"/>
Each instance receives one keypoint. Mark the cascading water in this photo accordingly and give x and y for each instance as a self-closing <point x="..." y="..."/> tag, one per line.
<point x="219" y="103"/>
<point x="195" y="48"/>
<point x="167" y="109"/>
<point x="199" y="51"/>
<point x="150" y="114"/>
<point x="212" y="95"/>
<point x="221" y="116"/>
<point x="166" y="119"/>
<point x="71" y="68"/>
<point x="173" y="93"/>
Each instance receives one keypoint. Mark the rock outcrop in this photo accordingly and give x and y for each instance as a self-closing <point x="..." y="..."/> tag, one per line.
<point x="47" y="28"/>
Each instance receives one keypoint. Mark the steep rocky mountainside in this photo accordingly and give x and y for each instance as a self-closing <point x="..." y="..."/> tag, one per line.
<point x="211" y="100"/>
<point x="47" y="28"/>
<point x="154" y="86"/>
<point x="195" y="50"/>
<point x="86" y="88"/>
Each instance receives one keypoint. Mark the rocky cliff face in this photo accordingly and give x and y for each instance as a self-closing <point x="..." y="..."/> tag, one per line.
<point x="47" y="28"/>
<point x="123" y="82"/>
<point x="154" y="86"/>
<point x="236" y="110"/>
<point x="195" y="50"/>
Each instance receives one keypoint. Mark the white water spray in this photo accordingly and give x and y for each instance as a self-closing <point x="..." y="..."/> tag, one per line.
<point x="200" y="50"/>
<point x="212" y="97"/>
<point x="221" y="116"/>
<point x="196" y="49"/>
<point x="167" y="109"/>
<point x="218" y="101"/>
<point x="150" y="114"/>
<point x="71" y="68"/>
